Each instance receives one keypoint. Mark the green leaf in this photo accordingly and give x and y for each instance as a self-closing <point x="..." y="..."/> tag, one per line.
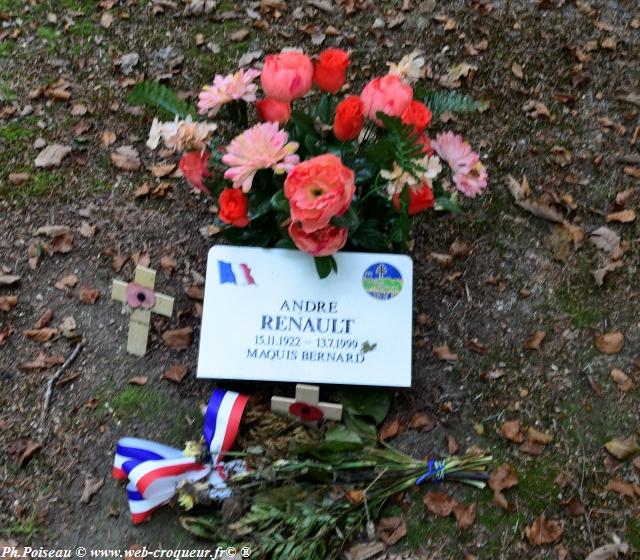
<point x="442" y="101"/>
<point x="349" y="219"/>
<point x="279" y="202"/>
<point x="302" y="125"/>
<point x="364" y="171"/>
<point x="154" y="94"/>
<point x="324" y="265"/>
<point x="324" y="109"/>
<point x="369" y="236"/>
<point x="365" y="402"/>
<point x="285" y="243"/>
<point x="342" y="434"/>
<point x="358" y="424"/>
<point x="447" y="203"/>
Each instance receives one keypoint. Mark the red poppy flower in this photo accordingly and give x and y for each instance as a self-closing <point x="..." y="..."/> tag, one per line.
<point x="306" y="412"/>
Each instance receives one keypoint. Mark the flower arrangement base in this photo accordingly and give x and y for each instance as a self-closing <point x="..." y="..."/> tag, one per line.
<point x="306" y="405"/>
<point x="140" y="297"/>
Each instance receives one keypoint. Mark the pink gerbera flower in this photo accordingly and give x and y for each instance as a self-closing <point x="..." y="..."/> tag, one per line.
<point x="456" y="152"/>
<point x="263" y="146"/>
<point x="472" y="183"/>
<point x="228" y="88"/>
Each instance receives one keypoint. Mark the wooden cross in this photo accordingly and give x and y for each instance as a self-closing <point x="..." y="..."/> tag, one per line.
<point x="307" y="395"/>
<point x="144" y="282"/>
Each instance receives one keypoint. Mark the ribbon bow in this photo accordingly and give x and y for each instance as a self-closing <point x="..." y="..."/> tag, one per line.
<point x="435" y="469"/>
<point x="155" y="471"/>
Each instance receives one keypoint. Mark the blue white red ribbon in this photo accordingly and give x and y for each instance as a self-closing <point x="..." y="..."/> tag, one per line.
<point x="435" y="470"/>
<point x="155" y="471"/>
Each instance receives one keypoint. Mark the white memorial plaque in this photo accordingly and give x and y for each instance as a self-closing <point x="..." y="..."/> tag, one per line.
<point x="268" y="317"/>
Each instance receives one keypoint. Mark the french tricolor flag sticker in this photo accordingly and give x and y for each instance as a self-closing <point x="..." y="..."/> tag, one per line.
<point x="232" y="273"/>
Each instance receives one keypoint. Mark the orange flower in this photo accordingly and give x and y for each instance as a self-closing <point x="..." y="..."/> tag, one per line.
<point x="195" y="167"/>
<point x="418" y="115"/>
<point x="233" y="207"/>
<point x="322" y="242"/>
<point x="272" y="110"/>
<point x="349" y="119"/>
<point x="420" y="198"/>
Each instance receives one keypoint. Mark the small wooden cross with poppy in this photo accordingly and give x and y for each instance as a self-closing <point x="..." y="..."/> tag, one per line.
<point x="306" y="405"/>
<point x="141" y="298"/>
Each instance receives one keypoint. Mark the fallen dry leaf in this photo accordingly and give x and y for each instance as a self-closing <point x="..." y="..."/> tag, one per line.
<point x="535" y="340"/>
<point x="168" y="265"/>
<point x="176" y="373"/>
<point x="621" y="487"/>
<point x="162" y="169"/>
<point x="439" y="503"/>
<point x="574" y="507"/>
<point x="7" y="303"/>
<point x="87" y="230"/>
<point x="517" y="71"/>
<point x="389" y="429"/>
<point x="44" y="320"/>
<point x="623" y="217"/>
<point x="41" y="335"/>
<point x="142" y="190"/>
<point x="355" y="497"/>
<point x="5" y="333"/>
<point x="465" y="515"/>
<point x="91" y="488"/>
<point x="443" y="353"/>
<point x="623" y="448"/>
<point x="62" y="243"/>
<point x="178" y="339"/>
<point x="88" y="295"/>
<point x="391" y="530"/>
<point x="19" y="178"/>
<point x="68" y="326"/>
<point x="52" y="155"/>
<point x="24" y="448"/>
<point x="532" y="448"/>
<point x="609" y="551"/>
<point x="422" y="422"/>
<point x="108" y="137"/>
<point x="68" y="281"/>
<point x="544" y="531"/>
<point x="9" y="279"/>
<point x="505" y="476"/>
<point x="43" y="361"/>
<point x="139" y="380"/>
<point x="511" y="430"/>
<point x="452" y="445"/>
<point x="622" y="380"/>
<point x="537" y="436"/>
<point x="126" y="158"/>
<point x="610" y="343"/>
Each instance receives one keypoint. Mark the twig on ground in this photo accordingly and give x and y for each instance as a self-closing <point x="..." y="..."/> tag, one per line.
<point x="51" y="383"/>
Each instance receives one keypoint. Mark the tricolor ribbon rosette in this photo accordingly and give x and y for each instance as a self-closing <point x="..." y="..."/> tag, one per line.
<point x="155" y="471"/>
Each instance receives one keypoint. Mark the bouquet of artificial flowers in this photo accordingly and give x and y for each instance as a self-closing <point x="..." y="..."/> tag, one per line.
<point x="319" y="172"/>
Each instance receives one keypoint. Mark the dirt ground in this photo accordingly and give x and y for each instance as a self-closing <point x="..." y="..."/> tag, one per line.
<point x="562" y="83"/>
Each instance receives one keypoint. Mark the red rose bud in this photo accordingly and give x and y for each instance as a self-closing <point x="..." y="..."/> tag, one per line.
<point x="417" y="115"/>
<point x="330" y="70"/>
<point x="272" y="110"/>
<point x="425" y="142"/>
<point x="349" y="119"/>
<point x="233" y="205"/>
<point x="195" y="167"/>
<point x="420" y="199"/>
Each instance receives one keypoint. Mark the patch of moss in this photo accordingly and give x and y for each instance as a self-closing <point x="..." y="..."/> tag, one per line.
<point x="48" y="33"/>
<point x="536" y="487"/>
<point x="6" y="48"/>
<point x="15" y="131"/>
<point x="633" y="533"/>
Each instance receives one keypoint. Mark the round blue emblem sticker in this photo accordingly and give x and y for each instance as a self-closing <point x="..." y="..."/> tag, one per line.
<point x="382" y="281"/>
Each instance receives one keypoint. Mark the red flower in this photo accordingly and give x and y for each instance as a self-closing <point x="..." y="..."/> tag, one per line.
<point x="272" y="110"/>
<point x="349" y="119"/>
<point x="418" y="115"/>
<point x="330" y="70"/>
<point x="233" y="207"/>
<point x="420" y="199"/>
<point x="426" y="144"/>
<point x="195" y="167"/>
<point x="306" y="412"/>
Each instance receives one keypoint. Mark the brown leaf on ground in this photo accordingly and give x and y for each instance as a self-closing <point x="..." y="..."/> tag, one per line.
<point x="9" y="279"/>
<point x="623" y="448"/>
<point x="142" y="190"/>
<point x="44" y="320"/>
<point x="87" y="230"/>
<point x="19" y="178"/>
<point x="62" y="243"/>
<point x="177" y="339"/>
<point x="422" y="422"/>
<point x="443" y="353"/>
<point x="168" y="264"/>
<point x="118" y="261"/>
<point x="195" y="292"/>
<point x="439" y="503"/>
<point x="354" y="497"/>
<point x="621" y="487"/>
<point x="500" y="500"/>
<point x="162" y="169"/>
<point x="176" y="373"/>
<point x="24" y="448"/>
<point x="544" y="531"/>
<point x="465" y="515"/>
<point x="389" y="429"/>
<point x="459" y="249"/>
<point x="88" y="295"/>
<point x="5" y="333"/>
<point x="622" y="380"/>
<point x="477" y="347"/>
<point x="610" y="343"/>
<point x="505" y="476"/>
<point x="391" y="530"/>
<point x="126" y="158"/>
<point x="139" y="380"/>
<point x="91" y="488"/>
<point x="536" y="436"/>
<point x="535" y="340"/>
<point x="141" y="258"/>
<point x="609" y="551"/>
<point x="511" y="430"/>
<point x="623" y="217"/>
<point x="41" y="335"/>
<point x="68" y="281"/>
<point x="452" y="445"/>
<point x="532" y="448"/>
<point x="574" y="507"/>
<point x="107" y="138"/>
<point x="52" y="155"/>
<point x="7" y="303"/>
<point x="43" y="361"/>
